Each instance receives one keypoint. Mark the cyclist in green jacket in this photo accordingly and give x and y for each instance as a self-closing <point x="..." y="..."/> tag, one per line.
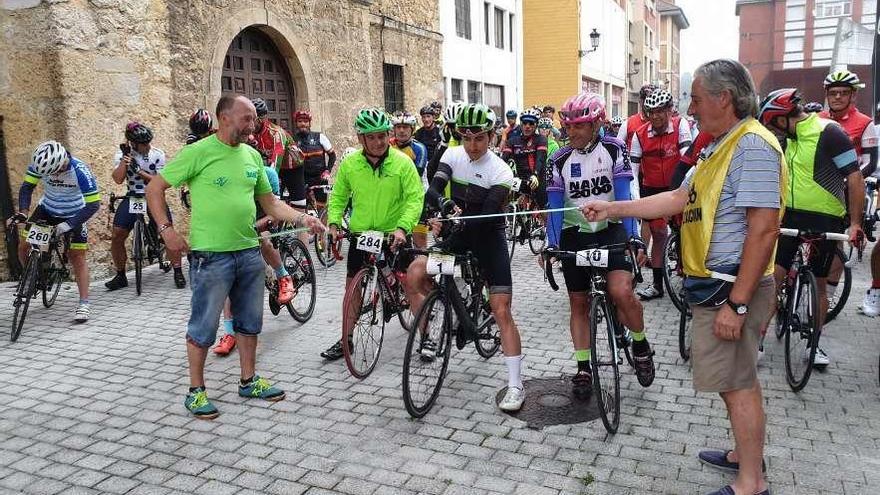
<point x="385" y="191"/>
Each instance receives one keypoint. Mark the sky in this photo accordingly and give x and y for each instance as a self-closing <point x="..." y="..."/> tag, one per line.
<point x="714" y="32"/>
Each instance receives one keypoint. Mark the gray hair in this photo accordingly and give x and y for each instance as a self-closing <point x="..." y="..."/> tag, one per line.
<point x="729" y="75"/>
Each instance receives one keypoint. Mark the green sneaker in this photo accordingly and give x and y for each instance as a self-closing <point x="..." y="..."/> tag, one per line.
<point x="259" y="388"/>
<point x="198" y="404"/>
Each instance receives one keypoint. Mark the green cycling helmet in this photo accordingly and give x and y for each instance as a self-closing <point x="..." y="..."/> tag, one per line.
<point x="371" y="120"/>
<point x="475" y="117"/>
<point x="843" y="78"/>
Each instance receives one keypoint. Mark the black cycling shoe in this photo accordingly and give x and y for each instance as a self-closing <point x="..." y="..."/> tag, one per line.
<point x="334" y="352"/>
<point x="582" y="384"/>
<point x="643" y="360"/>
<point x="117" y="282"/>
<point x="179" y="280"/>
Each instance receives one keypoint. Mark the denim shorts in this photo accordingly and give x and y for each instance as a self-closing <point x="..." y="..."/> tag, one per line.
<point x="239" y="275"/>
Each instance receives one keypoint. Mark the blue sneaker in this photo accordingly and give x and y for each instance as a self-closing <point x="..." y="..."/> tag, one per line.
<point x="260" y="388"/>
<point x="198" y="405"/>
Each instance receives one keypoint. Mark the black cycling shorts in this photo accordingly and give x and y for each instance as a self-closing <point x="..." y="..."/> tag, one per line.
<point x="293" y="181"/>
<point x="489" y="245"/>
<point x="577" y="278"/>
<point x="823" y="251"/>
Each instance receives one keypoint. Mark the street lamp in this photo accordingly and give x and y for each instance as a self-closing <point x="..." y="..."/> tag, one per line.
<point x="637" y="64"/>
<point x="594" y="42"/>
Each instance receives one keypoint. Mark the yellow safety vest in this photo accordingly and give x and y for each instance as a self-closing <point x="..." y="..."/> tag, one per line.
<point x="705" y="193"/>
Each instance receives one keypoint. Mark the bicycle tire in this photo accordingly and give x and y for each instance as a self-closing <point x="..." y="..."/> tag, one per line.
<point x="362" y="337"/>
<point x="137" y="253"/>
<point x="684" y="334"/>
<point x="511" y="229"/>
<point x="405" y="316"/>
<point x="805" y="291"/>
<point x="781" y="308"/>
<point x="673" y="280"/>
<point x="606" y="388"/>
<point x="486" y="348"/>
<point x="537" y="238"/>
<point x="844" y="286"/>
<point x="322" y="244"/>
<point x="52" y="277"/>
<point x="24" y="293"/>
<point x="441" y="333"/>
<point x="298" y="262"/>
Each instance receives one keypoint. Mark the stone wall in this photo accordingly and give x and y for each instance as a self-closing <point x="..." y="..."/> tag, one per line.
<point x="78" y="70"/>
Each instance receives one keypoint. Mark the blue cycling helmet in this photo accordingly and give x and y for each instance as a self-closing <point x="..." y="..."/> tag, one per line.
<point x="511" y="114"/>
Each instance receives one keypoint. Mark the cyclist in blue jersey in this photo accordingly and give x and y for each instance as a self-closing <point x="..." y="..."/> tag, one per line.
<point x="70" y="198"/>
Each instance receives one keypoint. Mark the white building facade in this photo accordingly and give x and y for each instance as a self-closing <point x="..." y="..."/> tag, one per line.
<point x="482" y="52"/>
<point x="604" y="70"/>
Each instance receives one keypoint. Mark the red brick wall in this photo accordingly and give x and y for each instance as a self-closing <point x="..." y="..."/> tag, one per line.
<point x="757" y="41"/>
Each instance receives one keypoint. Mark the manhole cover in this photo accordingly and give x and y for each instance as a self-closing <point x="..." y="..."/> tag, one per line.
<point x="550" y="401"/>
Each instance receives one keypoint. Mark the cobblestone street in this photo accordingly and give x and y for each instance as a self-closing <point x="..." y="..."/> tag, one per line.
<point x="98" y="408"/>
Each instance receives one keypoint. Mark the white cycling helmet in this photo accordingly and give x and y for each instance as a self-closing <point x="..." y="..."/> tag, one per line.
<point x="49" y="158"/>
<point x="617" y="120"/>
<point x="404" y="118"/>
<point x="452" y="111"/>
<point x="658" y="99"/>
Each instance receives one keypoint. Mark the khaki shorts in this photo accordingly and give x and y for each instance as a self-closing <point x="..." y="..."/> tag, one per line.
<point x="723" y="365"/>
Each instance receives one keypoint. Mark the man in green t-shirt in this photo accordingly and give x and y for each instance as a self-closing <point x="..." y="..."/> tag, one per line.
<point x="224" y="177"/>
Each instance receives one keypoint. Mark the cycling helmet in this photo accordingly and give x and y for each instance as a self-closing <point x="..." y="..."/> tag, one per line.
<point x="585" y="107"/>
<point x="261" y="107"/>
<point x="372" y="120"/>
<point x="200" y="122"/>
<point x="646" y="90"/>
<point x="843" y="78"/>
<point x="813" y="107"/>
<point x="404" y="118"/>
<point x="427" y="110"/>
<point x="545" y="123"/>
<point x="475" y="118"/>
<point x="302" y="115"/>
<point x="511" y="114"/>
<point x="617" y="120"/>
<point x="779" y="103"/>
<point x="138" y="133"/>
<point x="450" y="115"/>
<point x="49" y="158"/>
<point x="658" y="99"/>
<point x="531" y="116"/>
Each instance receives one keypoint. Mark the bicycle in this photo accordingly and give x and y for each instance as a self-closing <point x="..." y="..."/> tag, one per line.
<point x="673" y="268"/>
<point x="44" y="270"/>
<point x="321" y="242"/>
<point x="372" y="298"/>
<point x="797" y="309"/>
<point x="522" y="228"/>
<point x="606" y="346"/>
<point x="448" y="311"/>
<point x="296" y="259"/>
<point x="144" y="237"/>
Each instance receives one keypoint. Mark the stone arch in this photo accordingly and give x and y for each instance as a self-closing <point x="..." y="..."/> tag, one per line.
<point x="285" y="40"/>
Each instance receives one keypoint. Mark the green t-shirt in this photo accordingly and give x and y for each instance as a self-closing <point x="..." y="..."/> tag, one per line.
<point x="223" y="182"/>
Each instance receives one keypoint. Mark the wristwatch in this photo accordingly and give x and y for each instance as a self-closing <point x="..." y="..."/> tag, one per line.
<point x="739" y="309"/>
<point x="164" y="227"/>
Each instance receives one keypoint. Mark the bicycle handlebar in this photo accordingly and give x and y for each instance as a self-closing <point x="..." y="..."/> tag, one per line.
<point x="620" y="248"/>
<point x="831" y="236"/>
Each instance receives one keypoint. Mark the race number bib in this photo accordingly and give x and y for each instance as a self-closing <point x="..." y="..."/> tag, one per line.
<point x="592" y="257"/>
<point x="515" y="185"/>
<point x="39" y="235"/>
<point x="137" y="206"/>
<point x="441" y="264"/>
<point x="370" y="242"/>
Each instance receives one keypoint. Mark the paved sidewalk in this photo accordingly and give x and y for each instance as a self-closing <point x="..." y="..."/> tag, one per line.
<point x="98" y="408"/>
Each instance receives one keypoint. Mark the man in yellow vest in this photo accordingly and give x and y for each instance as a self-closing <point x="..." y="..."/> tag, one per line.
<point x="732" y="204"/>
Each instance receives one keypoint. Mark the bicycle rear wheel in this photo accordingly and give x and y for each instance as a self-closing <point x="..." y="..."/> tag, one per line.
<point x="363" y="323"/>
<point x="404" y="313"/>
<point x="837" y="301"/>
<point x="537" y="237"/>
<point x="490" y="341"/>
<point x="137" y="253"/>
<point x="603" y="363"/>
<point x="24" y="293"/>
<point x="298" y="262"/>
<point x="322" y="244"/>
<point x="423" y="369"/>
<point x="684" y="333"/>
<point x="512" y="229"/>
<point x="673" y="278"/>
<point x="53" y="276"/>
<point x="802" y="330"/>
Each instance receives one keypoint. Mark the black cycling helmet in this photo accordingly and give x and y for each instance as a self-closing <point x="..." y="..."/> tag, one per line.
<point x="261" y="107"/>
<point x="200" y="122"/>
<point x="138" y="133"/>
<point x="511" y="114"/>
<point x="813" y="107"/>
<point x="646" y="90"/>
<point x="427" y="110"/>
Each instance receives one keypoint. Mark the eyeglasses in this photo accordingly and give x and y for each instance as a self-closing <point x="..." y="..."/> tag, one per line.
<point x="839" y="93"/>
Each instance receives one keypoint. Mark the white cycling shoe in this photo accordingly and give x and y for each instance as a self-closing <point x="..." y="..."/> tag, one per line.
<point x="871" y="305"/>
<point x="513" y="399"/>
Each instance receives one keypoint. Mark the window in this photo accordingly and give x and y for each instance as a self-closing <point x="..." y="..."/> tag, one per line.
<point x="499" y="28"/>
<point x="393" y="76"/>
<point x="463" y="19"/>
<point x="456" y="90"/>
<point x="795" y="12"/>
<point x="833" y="8"/>
<point x="632" y="32"/>
<point x="794" y="44"/>
<point x="486" y="20"/>
<point x="510" y="32"/>
<point x="823" y="42"/>
<point x="475" y="92"/>
<point x="494" y="96"/>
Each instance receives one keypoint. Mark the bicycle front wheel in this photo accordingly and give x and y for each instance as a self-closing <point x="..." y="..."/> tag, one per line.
<point x="24" y="293"/>
<point x="673" y="276"/>
<point x="53" y="276"/>
<point x="603" y="363"/>
<point x="684" y="333"/>
<point x="323" y="243"/>
<point x="512" y="229"/>
<point x="363" y="323"/>
<point x="837" y="299"/>
<point x="489" y="341"/>
<point x="427" y="355"/>
<point x="537" y="238"/>
<point x="802" y="330"/>
<point x="298" y="262"/>
<point x="137" y="253"/>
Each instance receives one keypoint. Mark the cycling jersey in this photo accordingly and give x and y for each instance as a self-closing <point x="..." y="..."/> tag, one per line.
<point x="690" y="158"/>
<point x="150" y="165"/>
<point x="552" y="146"/>
<point x="858" y="126"/>
<point x="64" y="193"/>
<point x="384" y="198"/>
<point x="315" y="146"/>
<point x="529" y="153"/>
<point x="819" y="159"/>
<point x="417" y="153"/>
<point x="654" y="155"/>
<point x="430" y="137"/>
<point x="477" y="186"/>
<point x="272" y="142"/>
<point x="629" y="127"/>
